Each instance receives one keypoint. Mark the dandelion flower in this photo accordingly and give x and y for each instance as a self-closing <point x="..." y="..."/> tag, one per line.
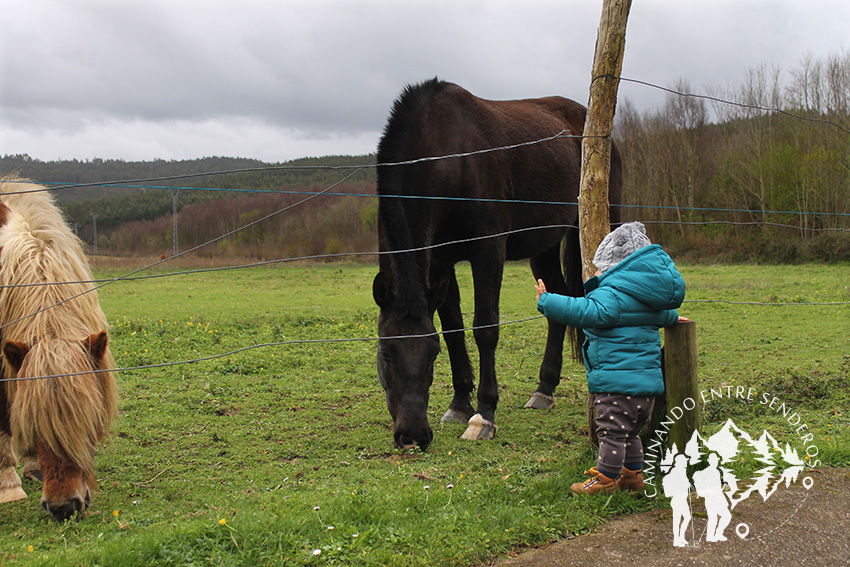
<point x="29" y="549"/>
<point x="222" y="521"/>
<point x="115" y="513"/>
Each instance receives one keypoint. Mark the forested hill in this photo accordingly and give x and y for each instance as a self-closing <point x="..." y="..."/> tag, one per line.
<point x="142" y="200"/>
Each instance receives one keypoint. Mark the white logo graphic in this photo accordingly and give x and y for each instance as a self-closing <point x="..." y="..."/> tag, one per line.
<point x="708" y="466"/>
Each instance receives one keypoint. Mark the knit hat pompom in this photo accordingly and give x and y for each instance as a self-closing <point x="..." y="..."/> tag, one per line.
<point x="619" y="244"/>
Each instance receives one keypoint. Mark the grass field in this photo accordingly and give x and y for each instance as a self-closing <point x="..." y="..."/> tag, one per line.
<point x="282" y="454"/>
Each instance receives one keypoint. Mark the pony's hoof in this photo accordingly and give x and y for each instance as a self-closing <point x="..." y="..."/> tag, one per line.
<point x="454" y="416"/>
<point x="540" y="401"/>
<point x="479" y="429"/>
<point x="33" y="474"/>
<point x="12" y="494"/>
<point x="10" y="486"/>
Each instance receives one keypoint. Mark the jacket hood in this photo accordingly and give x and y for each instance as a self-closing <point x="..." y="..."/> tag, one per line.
<point x="648" y="275"/>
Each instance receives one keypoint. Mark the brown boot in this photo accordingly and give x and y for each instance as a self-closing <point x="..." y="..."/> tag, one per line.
<point x="631" y="480"/>
<point x="597" y="482"/>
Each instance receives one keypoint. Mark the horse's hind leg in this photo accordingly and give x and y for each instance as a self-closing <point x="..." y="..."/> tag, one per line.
<point x="10" y="482"/>
<point x="460" y="408"/>
<point x="547" y="266"/>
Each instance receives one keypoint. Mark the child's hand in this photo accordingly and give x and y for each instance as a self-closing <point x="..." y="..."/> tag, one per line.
<point x="541" y="288"/>
<point x="683" y="319"/>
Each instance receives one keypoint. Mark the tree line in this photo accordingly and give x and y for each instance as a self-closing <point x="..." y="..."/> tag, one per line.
<point x="783" y="175"/>
<point x="279" y="225"/>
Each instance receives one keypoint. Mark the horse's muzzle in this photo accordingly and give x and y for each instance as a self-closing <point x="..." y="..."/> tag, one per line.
<point x="66" y="509"/>
<point x="408" y="440"/>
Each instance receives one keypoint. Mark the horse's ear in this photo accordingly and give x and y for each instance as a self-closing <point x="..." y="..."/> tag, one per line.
<point x="96" y="345"/>
<point x="15" y="353"/>
<point x="438" y="293"/>
<point x="382" y="290"/>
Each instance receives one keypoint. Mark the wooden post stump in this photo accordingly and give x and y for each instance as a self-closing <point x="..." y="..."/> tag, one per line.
<point x="680" y="382"/>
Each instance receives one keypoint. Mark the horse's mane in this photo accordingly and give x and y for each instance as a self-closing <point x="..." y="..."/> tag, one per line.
<point x="399" y="143"/>
<point x="38" y="247"/>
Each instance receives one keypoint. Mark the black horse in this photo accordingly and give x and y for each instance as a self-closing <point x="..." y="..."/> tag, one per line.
<point x="484" y="208"/>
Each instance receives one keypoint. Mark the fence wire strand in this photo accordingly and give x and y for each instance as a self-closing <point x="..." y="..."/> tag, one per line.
<point x="724" y="101"/>
<point x="266" y="345"/>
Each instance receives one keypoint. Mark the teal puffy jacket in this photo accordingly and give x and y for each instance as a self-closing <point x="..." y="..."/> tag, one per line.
<point x="621" y="315"/>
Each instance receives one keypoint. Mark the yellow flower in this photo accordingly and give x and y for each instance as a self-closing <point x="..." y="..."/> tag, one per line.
<point x="29" y="549"/>
<point x="222" y="521"/>
<point x="115" y="513"/>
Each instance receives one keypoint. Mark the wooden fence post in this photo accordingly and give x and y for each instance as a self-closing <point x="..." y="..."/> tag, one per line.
<point x="594" y="217"/>
<point x="680" y="382"/>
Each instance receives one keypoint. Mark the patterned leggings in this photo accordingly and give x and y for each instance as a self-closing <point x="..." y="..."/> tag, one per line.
<point x="619" y="421"/>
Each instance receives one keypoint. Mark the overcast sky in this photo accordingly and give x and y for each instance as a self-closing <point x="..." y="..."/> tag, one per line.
<point x="282" y="79"/>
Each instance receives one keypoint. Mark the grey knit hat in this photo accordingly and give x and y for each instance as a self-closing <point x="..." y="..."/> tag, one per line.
<point x="619" y="244"/>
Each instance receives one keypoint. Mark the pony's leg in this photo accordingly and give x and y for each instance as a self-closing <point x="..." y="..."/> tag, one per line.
<point x="487" y="270"/>
<point x="30" y="467"/>
<point x="547" y="266"/>
<point x="460" y="408"/>
<point x="10" y="482"/>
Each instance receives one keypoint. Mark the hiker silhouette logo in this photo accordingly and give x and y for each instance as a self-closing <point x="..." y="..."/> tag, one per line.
<point x="720" y="471"/>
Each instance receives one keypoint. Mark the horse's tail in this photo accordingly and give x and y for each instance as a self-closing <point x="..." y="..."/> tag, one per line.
<point x="575" y="284"/>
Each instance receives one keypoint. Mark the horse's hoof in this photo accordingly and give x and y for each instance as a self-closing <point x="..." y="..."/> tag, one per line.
<point x="479" y="429"/>
<point x="10" y="486"/>
<point x="540" y="401"/>
<point x="454" y="416"/>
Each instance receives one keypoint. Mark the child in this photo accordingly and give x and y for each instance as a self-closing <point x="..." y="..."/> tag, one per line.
<point x="635" y="292"/>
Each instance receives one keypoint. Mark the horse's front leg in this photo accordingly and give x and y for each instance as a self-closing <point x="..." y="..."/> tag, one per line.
<point x="10" y="482"/>
<point x="487" y="278"/>
<point x="460" y="408"/>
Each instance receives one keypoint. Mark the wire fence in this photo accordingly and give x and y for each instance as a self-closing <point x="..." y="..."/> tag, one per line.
<point x="351" y="170"/>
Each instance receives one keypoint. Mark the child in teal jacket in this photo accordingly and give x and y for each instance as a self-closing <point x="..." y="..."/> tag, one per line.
<point x="635" y="292"/>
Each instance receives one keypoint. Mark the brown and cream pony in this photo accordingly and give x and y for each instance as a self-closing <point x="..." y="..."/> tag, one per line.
<point x="54" y="404"/>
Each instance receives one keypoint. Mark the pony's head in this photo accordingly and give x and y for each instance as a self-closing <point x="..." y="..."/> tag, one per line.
<point x="61" y="407"/>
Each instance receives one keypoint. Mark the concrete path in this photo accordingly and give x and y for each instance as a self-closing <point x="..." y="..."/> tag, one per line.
<point x="794" y="526"/>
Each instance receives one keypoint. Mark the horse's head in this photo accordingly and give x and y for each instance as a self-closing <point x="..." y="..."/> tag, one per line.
<point x="61" y="419"/>
<point x="408" y="346"/>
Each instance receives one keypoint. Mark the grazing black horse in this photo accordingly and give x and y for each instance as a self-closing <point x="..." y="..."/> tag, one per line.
<point x="484" y="208"/>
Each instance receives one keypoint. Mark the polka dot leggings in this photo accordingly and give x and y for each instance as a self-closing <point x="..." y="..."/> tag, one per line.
<point x="619" y="421"/>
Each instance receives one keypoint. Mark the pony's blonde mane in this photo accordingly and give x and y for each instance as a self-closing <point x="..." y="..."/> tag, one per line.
<point x="69" y="414"/>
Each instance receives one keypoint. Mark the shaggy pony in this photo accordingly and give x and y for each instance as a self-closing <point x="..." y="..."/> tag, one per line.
<point x="51" y="330"/>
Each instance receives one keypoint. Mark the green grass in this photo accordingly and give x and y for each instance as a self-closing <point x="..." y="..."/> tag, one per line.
<point x="265" y="456"/>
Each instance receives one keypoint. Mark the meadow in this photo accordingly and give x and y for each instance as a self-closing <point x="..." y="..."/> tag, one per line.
<point x="282" y="454"/>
